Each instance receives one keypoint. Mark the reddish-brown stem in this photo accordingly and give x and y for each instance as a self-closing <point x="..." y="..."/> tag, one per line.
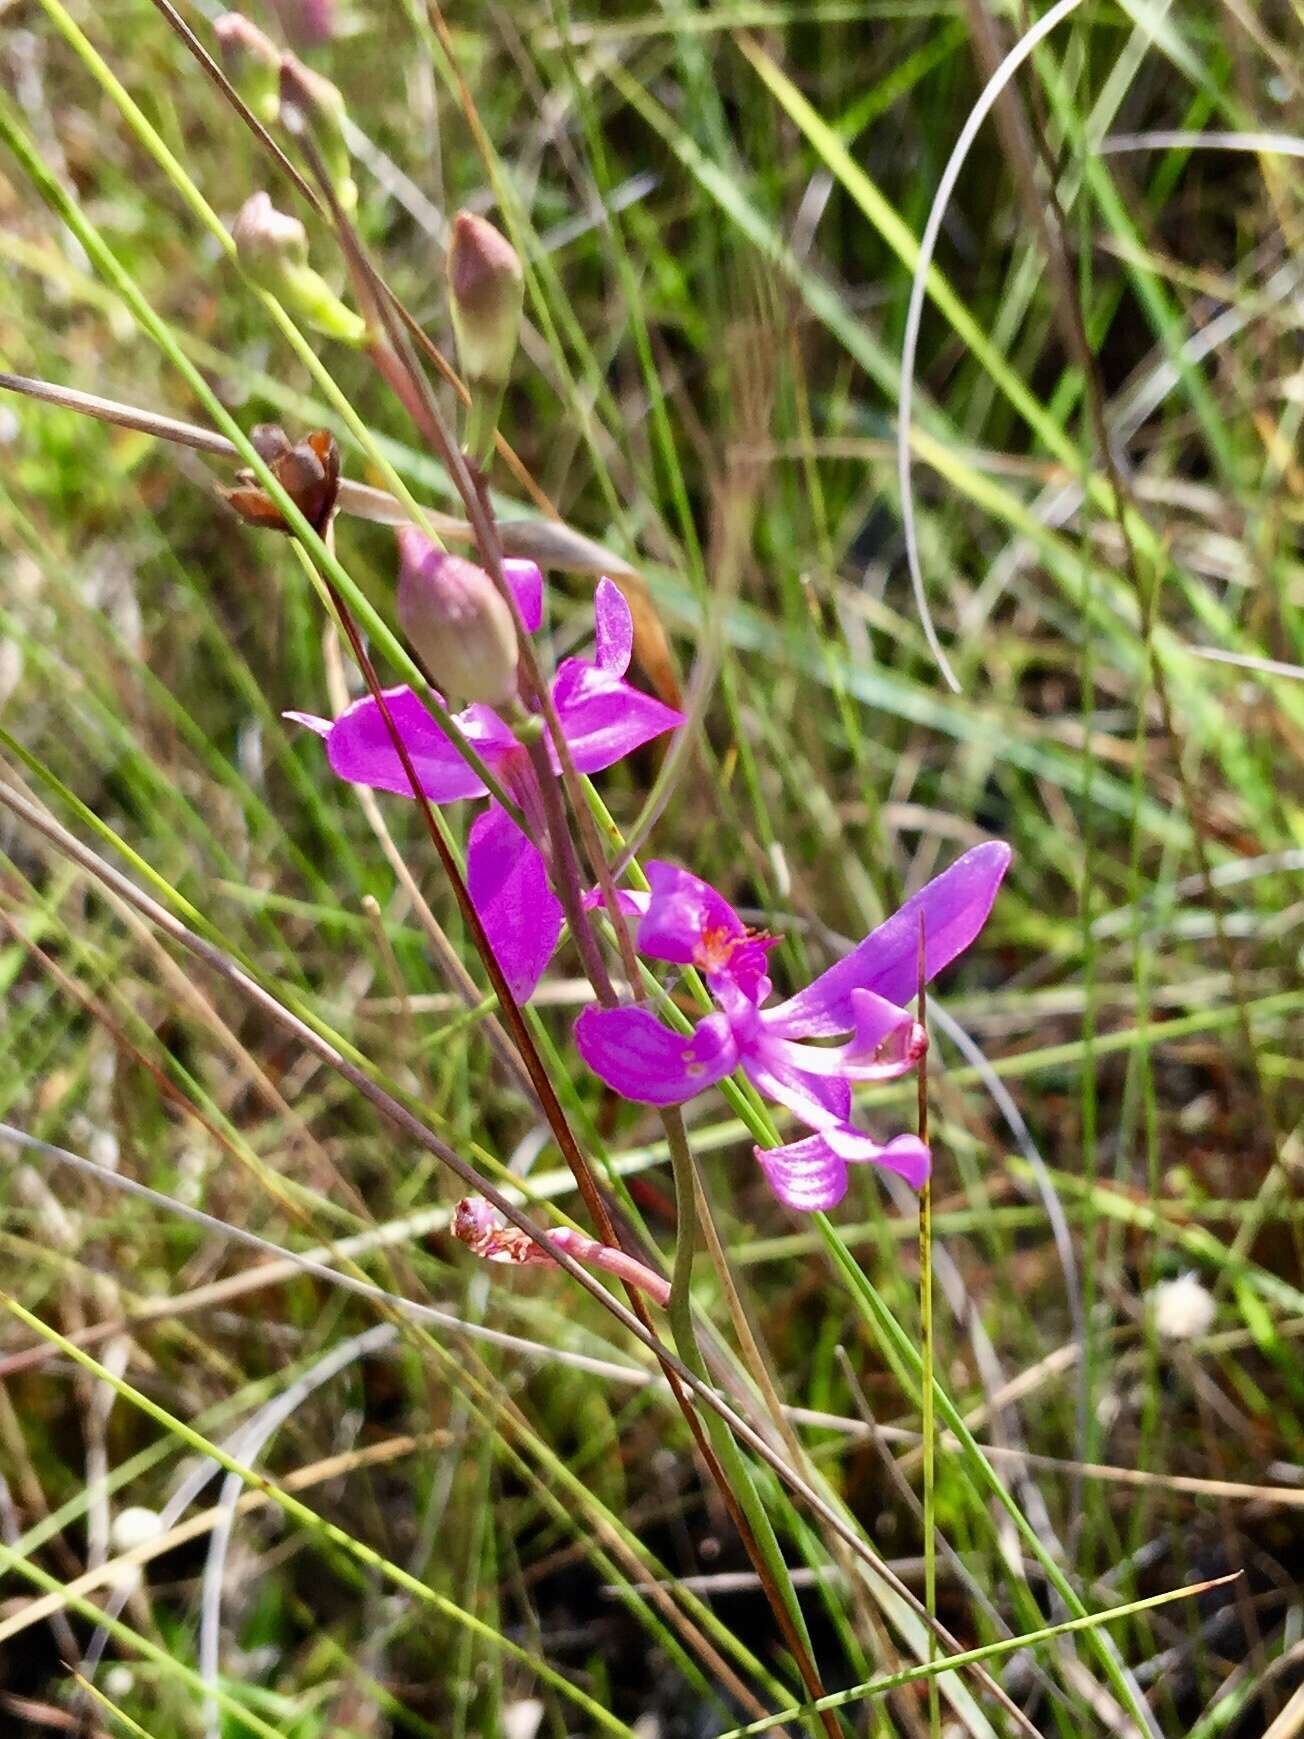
<point x="566" y="876"/>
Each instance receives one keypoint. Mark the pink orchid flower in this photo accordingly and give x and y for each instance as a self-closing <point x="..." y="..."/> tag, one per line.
<point x="603" y="718"/>
<point x="860" y="1000"/>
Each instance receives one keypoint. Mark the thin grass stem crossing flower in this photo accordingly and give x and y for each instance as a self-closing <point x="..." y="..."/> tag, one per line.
<point x="860" y="1000"/>
<point x="602" y="716"/>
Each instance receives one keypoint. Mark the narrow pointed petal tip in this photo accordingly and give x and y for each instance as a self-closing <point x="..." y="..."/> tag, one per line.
<point x="643" y="1060"/>
<point x="951" y="910"/>
<point x="311" y="722"/>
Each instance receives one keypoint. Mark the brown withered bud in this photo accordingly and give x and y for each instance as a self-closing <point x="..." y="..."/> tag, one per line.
<point x="456" y="621"/>
<point x="308" y="471"/>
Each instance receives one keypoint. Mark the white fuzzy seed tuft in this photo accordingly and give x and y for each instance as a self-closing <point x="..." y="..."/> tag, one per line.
<point x="1184" y="1309"/>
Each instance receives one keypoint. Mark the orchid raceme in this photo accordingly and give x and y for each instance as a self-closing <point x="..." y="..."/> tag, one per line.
<point x="860" y="999"/>
<point x="603" y="718"/>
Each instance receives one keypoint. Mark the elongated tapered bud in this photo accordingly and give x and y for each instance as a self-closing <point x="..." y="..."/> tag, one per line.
<point x="485" y="292"/>
<point x="456" y="621"/>
<point x="308" y="23"/>
<point x="272" y="248"/>
<point x="486" y="289"/>
<point x="252" y="61"/>
<point x="322" y="106"/>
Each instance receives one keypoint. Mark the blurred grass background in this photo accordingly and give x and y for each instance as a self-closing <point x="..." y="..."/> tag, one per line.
<point x="718" y="207"/>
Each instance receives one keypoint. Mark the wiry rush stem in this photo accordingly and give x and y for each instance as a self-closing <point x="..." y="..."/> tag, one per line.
<point x="928" y="1420"/>
<point x="565" y="871"/>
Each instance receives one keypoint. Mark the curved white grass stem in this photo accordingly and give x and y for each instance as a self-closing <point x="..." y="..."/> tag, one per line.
<point x="249" y="1445"/>
<point x="910" y="344"/>
<point x="1262" y="144"/>
<point x="1004" y="1101"/>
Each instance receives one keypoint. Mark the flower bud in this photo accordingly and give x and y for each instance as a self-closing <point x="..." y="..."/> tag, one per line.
<point x="252" y="62"/>
<point x="268" y="241"/>
<point x="456" y="621"/>
<point x="486" y="290"/>
<point x="308" y="23"/>
<point x="322" y="106"/>
<point x="272" y="248"/>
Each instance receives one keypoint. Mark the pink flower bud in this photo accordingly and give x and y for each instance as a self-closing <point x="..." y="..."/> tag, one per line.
<point x="308" y="23"/>
<point x="486" y="290"/>
<point x="456" y="620"/>
<point x="272" y="248"/>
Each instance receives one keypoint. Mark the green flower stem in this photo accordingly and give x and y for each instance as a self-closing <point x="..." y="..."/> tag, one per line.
<point x="906" y="1358"/>
<point x="763" y="1543"/>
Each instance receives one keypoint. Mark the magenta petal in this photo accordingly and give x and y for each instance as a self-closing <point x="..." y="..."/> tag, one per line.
<point x="877" y="1021"/>
<point x="643" y="1060"/>
<point x="525" y="582"/>
<point x="361" y="750"/>
<point x="311" y="722"/>
<point x="682" y="913"/>
<point x="820" y="1102"/>
<point x="811" y="1175"/>
<point x="807" y="1176"/>
<point x="613" y="627"/>
<point x="887" y="1042"/>
<point x="904" y="1154"/>
<point x="603" y="717"/>
<point x="631" y="901"/>
<point x="954" y="908"/>
<point x="508" y="883"/>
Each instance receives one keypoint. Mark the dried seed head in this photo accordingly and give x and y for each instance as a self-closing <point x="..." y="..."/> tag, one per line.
<point x="456" y="620"/>
<point x="486" y="290"/>
<point x="309" y="472"/>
